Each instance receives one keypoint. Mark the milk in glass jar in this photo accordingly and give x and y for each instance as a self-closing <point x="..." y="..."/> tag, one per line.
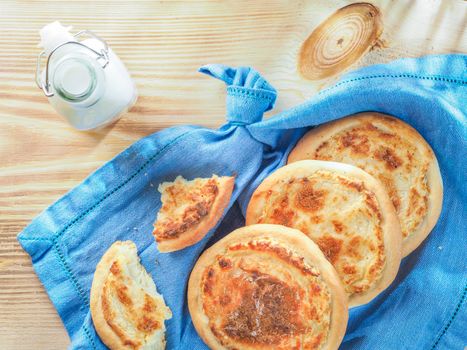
<point x="83" y="79"/>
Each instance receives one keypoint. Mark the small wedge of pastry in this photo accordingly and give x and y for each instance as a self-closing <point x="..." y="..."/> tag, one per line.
<point x="126" y="309"/>
<point x="395" y="154"/>
<point x="345" y="211"/>
<point x="267" y="287"/>
<point x="190" y="209"/>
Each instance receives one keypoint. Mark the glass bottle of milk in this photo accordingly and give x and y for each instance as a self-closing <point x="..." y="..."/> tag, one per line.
<point x="84" y="80"/>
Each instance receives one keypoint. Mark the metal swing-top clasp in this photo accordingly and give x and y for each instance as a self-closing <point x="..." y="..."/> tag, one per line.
<point x="102" y="57"/>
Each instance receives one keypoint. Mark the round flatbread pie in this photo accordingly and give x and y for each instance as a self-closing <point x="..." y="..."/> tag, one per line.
<point x="345" y="211"/>
<point x="126" y="309"/>
<point x="267" y="287"/>
<point x="395" y="154"/>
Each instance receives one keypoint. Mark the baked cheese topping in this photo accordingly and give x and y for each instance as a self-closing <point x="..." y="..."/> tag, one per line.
<point x="184" y="205"/>
<point x="341" y="216"/>
<point x="135" y="316"/>
<point x="260" y="295"/>
<point x="381" y="150"/>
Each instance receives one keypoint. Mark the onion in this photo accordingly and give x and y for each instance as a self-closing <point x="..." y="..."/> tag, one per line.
<point x="340" y="41"/>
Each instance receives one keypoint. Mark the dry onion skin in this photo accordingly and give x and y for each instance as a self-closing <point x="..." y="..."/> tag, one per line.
<point x="340" y="41"/>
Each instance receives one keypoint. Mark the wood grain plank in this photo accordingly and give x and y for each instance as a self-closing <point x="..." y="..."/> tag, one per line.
<point x="162" y="43"/>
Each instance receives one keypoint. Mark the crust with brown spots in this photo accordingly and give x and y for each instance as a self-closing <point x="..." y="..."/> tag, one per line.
<point x="394" y="153"/>
<point x="267" y="287"/>
<point x="345" y="211"/>
<point x="190" y="209"/>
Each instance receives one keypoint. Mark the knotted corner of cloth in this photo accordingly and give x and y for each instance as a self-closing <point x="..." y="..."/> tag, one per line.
<point x="249" y="95"/>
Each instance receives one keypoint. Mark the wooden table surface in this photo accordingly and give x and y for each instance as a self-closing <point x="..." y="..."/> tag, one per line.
<point x="162" y="44"/>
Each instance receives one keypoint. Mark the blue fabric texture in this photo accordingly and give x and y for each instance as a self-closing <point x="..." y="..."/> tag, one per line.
<point x="425" y="306"/>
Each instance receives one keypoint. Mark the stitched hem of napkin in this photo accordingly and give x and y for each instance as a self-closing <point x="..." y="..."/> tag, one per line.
<point x="35" y="239"/>
<point x="451" y="319"/>
<point x="69" y="274"/>
<point x="414" y="76"/>
<point x="249" y="92"/>
<point x="88" y="336"/>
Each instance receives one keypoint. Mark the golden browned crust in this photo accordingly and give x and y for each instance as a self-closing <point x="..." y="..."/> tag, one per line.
<point x="126" y="309"/>
<point x="394" y="153"/>
<point x="190" y="209"/>
<point x="264" y="287"/>
<point x="345" y="211"/>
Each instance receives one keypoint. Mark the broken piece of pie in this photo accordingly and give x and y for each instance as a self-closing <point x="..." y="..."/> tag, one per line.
<point x="190" y="209"/>
<point x="126" y="309"/>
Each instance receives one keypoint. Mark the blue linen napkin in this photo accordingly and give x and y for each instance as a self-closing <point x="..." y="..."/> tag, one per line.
<point x="423" y="309"/>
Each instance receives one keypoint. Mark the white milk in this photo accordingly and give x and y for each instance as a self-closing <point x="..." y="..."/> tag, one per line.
<point x="89" y="88"/>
